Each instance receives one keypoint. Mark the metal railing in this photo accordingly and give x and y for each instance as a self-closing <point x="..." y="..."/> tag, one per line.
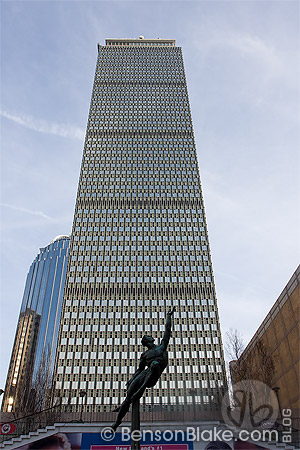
<point x="184" y="413"/>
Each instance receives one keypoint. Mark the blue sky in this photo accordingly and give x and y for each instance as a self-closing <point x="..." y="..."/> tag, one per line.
<point x="242" y="67"/>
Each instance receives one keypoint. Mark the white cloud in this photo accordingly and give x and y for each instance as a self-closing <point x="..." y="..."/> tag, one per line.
<point x="249" y="46"/>
<point x="28" y="211"/>
<point x="68" y="131"/>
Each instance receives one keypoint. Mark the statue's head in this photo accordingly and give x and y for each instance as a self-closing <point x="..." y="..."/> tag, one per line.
<point x="147" y="340"/>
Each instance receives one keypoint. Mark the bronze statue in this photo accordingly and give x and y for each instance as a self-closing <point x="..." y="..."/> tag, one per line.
<point x="152" y="364"/>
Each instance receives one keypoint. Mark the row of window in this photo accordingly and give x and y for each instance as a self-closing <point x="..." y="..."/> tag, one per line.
<point x="145" y="104"/>
<point x="86" y="353"/>
<point x="121" y="227"/>
<point x="140" y="232"/>
<point x="128" y="156"/>
<point x="122" y="351"/>
<point x="104" y="402"/>
<point x="141" y="249"/>
<point x="127" y="121"/>
<point x="141" y="195"/>
<point x="189" y="258"/>
<point x="109" y="332"/>
<point x="140" y="101"/>
<point x="142" y="222"/>
<point x="141" y="238"/>
<point x="133" y="316"/>
<point x="186" y="332"/>
<point x="132" y="92"/>
<point x="153" y="279"/>
<point x="138" y="44"/>
<point x="131" y="247"/>
<point x="141" y="127"/>
<point x="173" y="71"/>
<point x="139" y="52"/>
<point x="131" y="171"/>
<point x="113" y="366"/>
<point x="127" y="118"/>
<point x="163" y="74"/>
<point x="123" y="145"/>
<point x="146" y="211"/>
<point x="135" y="166"/>
<point x="134" y="141"/>
<point x="140" y="63"/>
<point x="124" y="302"/>
<point x="180" y="326"/>
<point x="143" y="154"/>
<point x="131" y="268"/>
<point x="124" y="77"/>
<point x="103" y="341"/>
<point x="143" y="110"/>
<point x="126" y="265"/>
<point x="103" y="314"/>
<point x="125" y="353"/>
<point x="136" y="97"/>
<point x="128" y="190"/>
<point x="147" y="140"/>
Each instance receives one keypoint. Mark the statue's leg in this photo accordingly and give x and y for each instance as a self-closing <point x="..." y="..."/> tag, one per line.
<point x="150" y="380"/>
<point x="124" y="408"/>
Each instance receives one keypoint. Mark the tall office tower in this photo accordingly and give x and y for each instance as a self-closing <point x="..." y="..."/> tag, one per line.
<point x="139" y="242"/>
<point x="32" y="362"/>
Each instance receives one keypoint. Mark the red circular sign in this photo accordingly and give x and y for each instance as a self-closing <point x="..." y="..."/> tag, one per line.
<point x="7" y="428"/>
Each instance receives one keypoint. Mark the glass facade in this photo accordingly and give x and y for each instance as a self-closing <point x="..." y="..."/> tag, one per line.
<point x="37" y="330"/>
<point x="139" y="242"/>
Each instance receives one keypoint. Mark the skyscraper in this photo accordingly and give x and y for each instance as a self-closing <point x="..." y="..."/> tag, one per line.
<point x="33" y="355"/>
<point x="139" y="241"/>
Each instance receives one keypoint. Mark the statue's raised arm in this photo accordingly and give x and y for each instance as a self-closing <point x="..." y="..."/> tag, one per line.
<point x="167" y="333"/>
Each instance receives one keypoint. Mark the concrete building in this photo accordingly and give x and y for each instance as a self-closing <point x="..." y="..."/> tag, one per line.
<point x="272" y="355"/>
<point x="139" y="242"/>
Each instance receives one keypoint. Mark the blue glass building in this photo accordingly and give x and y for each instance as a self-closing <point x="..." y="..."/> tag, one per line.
<point x="36" y="337"/>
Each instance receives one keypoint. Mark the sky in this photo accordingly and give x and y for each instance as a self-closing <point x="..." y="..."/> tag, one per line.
<point x="242" y="67"/>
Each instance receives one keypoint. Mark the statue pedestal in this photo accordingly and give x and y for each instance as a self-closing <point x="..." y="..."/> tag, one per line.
<point x="135" y="424"/>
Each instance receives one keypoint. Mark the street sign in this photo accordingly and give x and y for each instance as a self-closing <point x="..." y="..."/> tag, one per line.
<point x="7" y="428"/>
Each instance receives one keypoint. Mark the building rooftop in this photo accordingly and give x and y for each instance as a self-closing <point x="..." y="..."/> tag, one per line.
<point x="140" y="42"/>
<point x="60" y="237"/>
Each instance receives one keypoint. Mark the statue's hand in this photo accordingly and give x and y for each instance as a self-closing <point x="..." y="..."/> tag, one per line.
<point x="171" y="312"/>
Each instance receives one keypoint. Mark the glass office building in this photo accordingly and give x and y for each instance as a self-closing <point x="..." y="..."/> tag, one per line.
<point x="139" y="242"/>
<point x="37" y="330"/>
